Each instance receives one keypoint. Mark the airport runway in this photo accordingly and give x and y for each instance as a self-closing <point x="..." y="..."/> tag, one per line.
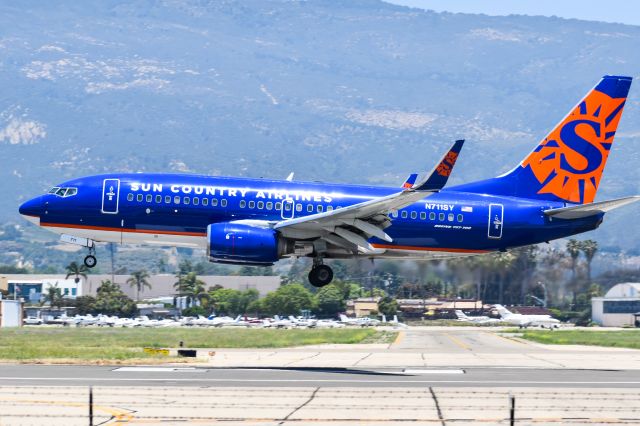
<point x="433" y="376"/>
<point x="154" y="376"/>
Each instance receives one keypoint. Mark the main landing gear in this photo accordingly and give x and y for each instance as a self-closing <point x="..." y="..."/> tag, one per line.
<point x="320" y="274"/>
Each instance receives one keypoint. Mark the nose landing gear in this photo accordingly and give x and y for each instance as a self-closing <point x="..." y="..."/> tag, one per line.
<point x="90" y="260"/>
<point x="320" y="274"/>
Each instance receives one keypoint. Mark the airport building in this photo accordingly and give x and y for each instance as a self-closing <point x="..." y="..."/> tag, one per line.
<point x="415" y="308"/>
<point x="32" y="287"/>
<point x="620" y="307"/>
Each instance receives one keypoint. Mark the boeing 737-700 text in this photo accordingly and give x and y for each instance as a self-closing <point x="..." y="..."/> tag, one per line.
<point x="549" y="195"/>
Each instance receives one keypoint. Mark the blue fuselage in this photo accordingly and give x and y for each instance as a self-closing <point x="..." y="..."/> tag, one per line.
<point x="174" y="209"/>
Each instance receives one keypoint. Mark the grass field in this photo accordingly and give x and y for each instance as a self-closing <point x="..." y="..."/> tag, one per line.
<point x="616" y="338"/>
<point x="121" y="344"/>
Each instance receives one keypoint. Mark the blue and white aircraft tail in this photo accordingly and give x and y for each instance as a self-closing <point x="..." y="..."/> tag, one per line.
<point x="549" y="195"/>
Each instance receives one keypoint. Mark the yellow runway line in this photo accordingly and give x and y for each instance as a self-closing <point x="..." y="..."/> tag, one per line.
<point x="506" y="338"/>
<point x="458" y="342"/>
<point x="399" y="338"/>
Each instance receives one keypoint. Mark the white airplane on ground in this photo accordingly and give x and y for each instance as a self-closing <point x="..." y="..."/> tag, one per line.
<point x="475" y="320"/>
<point x="362" y="322"/>
<point x="328" y="323"/>
<point x="524" y="321"/>
<point x="394" y="322"/>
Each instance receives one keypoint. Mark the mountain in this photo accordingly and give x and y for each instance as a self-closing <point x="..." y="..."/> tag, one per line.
<point x="350" y="91"/>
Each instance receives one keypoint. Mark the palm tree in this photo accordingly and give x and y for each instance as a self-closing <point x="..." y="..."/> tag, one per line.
<point x="190" y="286"/>
<point x="73" y="269"/>
<point x="139" y="280"/>
<point x="573" y="248"/>
<point x="54" y="296"/>
<point x="589" y="248"/>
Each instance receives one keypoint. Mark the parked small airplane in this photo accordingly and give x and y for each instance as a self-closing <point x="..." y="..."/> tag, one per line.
<point x="362" y="322"/>
<point x="524" y="321"/>
<point x="476" y="320"/>
<point x="548" y="195"/>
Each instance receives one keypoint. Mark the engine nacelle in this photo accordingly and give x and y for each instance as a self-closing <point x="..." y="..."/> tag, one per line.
<point x="239" y="243"/>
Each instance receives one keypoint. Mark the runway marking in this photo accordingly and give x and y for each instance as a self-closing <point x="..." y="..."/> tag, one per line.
<point x="159" y="370"/>
<point x="212" y="380"/>
<point x="399" y="338"/>
<point x="458" y="342"/>
<point x="417" y="371"/>
<point x="506" y="338"/>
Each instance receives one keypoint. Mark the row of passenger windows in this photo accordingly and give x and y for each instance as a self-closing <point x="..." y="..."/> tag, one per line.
<point x="432" y="216"/>
<point x="176" y="199"/>
<point x="269" y="205"/>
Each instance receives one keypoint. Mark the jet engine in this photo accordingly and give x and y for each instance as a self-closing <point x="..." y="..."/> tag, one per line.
<point x="239" y="243"/>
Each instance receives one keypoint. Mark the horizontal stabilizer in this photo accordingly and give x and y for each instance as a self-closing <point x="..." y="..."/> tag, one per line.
<point x="591" y="209"/>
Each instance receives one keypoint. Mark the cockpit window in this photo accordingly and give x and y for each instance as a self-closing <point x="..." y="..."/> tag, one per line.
<point x="63" y="192"/>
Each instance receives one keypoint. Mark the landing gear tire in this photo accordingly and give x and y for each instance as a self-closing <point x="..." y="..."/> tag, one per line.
<point x="90" y="261"/>
<point x="320" y="275"/>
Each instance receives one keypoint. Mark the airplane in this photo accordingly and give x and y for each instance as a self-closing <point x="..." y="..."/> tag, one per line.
<point x="362" y="322"/>
<point x="524" y="321"/>
<point x="475" y="320"/>
<point x="548" y="195"/>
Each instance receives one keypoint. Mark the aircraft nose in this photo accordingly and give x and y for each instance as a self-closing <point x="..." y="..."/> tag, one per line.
<point x="32" y="209"/>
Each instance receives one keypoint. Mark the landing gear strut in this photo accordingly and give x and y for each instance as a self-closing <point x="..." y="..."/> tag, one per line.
<point x="90" y="260"/>
<point x="320" y="274"/>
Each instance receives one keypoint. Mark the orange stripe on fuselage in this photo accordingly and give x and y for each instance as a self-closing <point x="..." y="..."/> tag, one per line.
<point x="414" y="248"/>
<point x="133" y="231"/>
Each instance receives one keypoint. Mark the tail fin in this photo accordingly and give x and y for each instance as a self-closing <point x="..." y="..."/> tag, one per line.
<point x="461" y="315"/>
<point x="567" y="164"/>
<point x="503" y="311"/>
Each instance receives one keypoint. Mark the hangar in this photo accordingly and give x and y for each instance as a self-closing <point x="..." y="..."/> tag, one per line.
<point x="620" y="307"/>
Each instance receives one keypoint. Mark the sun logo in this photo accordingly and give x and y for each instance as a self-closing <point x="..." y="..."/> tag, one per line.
<point x="445" y="167"/>
<point x="569" y="162"/>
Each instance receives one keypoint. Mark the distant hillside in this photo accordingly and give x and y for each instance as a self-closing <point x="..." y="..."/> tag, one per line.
<point x="353" y="91"/>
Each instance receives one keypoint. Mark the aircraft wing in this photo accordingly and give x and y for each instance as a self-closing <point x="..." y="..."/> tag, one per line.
<point x="590" y="209"/>
<point x="351" y="226"/>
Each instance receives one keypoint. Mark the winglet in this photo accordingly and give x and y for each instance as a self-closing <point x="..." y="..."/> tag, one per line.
<point x="439" y="176"/>
<point x="410" y="181"/>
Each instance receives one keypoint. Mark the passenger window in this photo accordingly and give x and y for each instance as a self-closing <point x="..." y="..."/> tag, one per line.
<point x="130" y="197"/>
<point x="243" y="204"/>
<point x="329" y="208"/>
<point x="252" y="204"/>
<point x="278" y="206"/>
<point x="139" y="197"/>
<point x="319" y="208"/>
<point x="298" y="207"/>
<point x="149" y="198"/>
<point x="196" y="201"/>
<point x="450" y="217"/>
<point x="423" y="215"/>
<point x="261" y="205"/>
<point x="214" y="202"/>
<point x="394" y="213"/>
<point x="432" y="216"/>
<point x="176" y="199"/>
<point x="269" y="205"/>
<point x="223" y="203"/>
<point x="187" y="200"/>
<point x="205" y="201"/>
<point x="158" y="198"/>
<point x="167" y="199"/>
<point x="404" y="214"/>
<point x="414" y="215"/>
<point x="460" y="218"/>
<point x="287" y="207"/>
<point x="310" y="208"/>
<point x="441" y="217"/>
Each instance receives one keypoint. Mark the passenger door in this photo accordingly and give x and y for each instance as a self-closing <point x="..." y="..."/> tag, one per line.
<point x="496" y="216"/>
<point x="288" y="208"/>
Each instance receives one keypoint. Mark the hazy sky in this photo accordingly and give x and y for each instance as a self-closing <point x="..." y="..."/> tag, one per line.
<point x="623" y="11"/>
